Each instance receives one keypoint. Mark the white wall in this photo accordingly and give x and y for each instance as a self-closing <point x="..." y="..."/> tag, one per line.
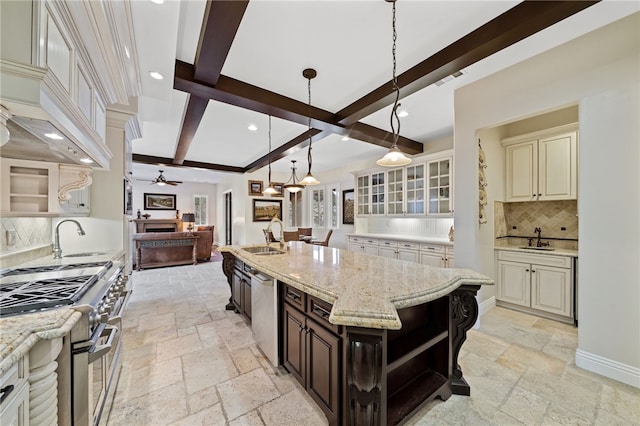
<point x="184" y="200"/>
<point x="599" y="72"/>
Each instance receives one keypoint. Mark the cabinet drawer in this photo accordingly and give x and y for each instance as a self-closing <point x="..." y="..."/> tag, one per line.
<point x="388" y="243"/>
<point x="294" y="297"/>
<point x="319" y="311"/>
<point x="431" y="248"/>
<point x="408" y="245"/>
<point x="537" y="258"/>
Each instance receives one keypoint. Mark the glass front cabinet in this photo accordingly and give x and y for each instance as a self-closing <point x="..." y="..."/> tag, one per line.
<point x="440" y="190"/>
<point x="405" y="190"/>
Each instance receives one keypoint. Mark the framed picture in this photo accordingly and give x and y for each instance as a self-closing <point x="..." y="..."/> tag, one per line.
<point x="255" y="187"/>
<point x="265" y="210"/>
<point x="348" y="206"/>
<point x="278" y="186"/>
<point x="159" y="201"/>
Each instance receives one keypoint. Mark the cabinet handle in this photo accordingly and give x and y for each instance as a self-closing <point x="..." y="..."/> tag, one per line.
<point x="294" y="296"/>
<point x="406" y="245"/>
<point x="5" y="391"/>
<point x="533" y="271"/>
<point x="431" y="248"/>
<point x="526" y="270"/>
<point x="319" y="310"/>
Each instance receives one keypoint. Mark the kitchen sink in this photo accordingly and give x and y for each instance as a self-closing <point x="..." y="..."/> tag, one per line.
<point x="263" y="250"/>
<point x="537" y="248"/>
<point x="85" y="254"/>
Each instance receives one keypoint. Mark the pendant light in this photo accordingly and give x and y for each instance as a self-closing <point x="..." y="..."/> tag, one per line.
<point x="270" y="189"/>
<point x="309" y="73"/>
<point x="295" y="185"/>
<point x="394" y="157"/>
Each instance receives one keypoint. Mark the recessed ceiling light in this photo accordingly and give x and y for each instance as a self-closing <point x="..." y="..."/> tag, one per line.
<point x="156" y="75"/>
<point x="158" y="1"/>
<point x="86" y="160"/>
<point x="252" y="127"/>
<point x="54" y="136"/>
<point x="345" y="138"/>
<point x="403" y="113"/>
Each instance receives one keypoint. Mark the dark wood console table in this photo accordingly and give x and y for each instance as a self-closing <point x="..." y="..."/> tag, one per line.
<point x="164" y="249"/>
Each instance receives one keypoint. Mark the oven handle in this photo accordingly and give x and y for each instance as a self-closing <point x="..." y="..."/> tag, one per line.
<point x="99" y="351"/>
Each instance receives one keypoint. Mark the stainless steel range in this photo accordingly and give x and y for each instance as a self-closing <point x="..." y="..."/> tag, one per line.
<point x="88" y="362"/>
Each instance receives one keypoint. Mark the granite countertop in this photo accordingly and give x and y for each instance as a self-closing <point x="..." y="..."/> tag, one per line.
<point x="554" y="252"/>
<point x="411" y="238"/>
<point x="19" y="333"/>
<point x="365" y="290"/>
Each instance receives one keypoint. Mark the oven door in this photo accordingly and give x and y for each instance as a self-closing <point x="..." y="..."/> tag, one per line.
<point x="93" y="371"/>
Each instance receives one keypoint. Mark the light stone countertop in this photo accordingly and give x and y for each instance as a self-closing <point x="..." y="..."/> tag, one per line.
<point x="20" y="333"/>
<point x="410" y="238"/>
<point x="554" y="252"/>
<point x="365" y="290"/>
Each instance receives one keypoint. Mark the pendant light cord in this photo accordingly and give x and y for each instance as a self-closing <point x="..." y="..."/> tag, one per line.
<point x="394" y="80"/>
<point x="309" y="123"/>
<point x="269" y="184"/>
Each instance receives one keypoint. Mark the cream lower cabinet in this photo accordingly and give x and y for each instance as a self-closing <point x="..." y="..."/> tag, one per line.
<point x="14" y="409"/>
<point x="402" y="250"/>
<point x="363" y="245"/>
<point x="436" y="255"/>
<point x="536" y="281"/>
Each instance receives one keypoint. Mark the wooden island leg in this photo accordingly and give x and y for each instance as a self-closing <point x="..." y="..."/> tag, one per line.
<point x="228" y="261"/>
<point x="464" y="312"/>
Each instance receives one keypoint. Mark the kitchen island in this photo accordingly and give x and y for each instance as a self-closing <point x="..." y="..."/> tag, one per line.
<point x="372" y="339"/>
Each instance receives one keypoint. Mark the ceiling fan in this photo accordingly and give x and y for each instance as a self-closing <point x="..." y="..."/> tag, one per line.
<point x="161" y="180"/>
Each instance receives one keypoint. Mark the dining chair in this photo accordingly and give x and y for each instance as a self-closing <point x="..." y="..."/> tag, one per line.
<point x="324" y="243"/>
<point x="291" y="235"/>
<point x="268" y="236"/>
<point x="306" y="232"/>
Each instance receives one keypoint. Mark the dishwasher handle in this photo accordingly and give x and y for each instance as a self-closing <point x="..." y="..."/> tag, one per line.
<point x="260" y="279"/>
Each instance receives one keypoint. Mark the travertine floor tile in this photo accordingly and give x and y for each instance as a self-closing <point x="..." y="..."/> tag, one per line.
<point x="292" y="409"/>
<point x="178" y="346"/>
<point x="206" y="368"/>
<point x="249" y="419"/>
<point x="525" y="406"/>
<point x="207" y="417"/>
<point x="247" y="392"/>
<point x="535" y="359"/>
<point x="147" y="322"/>
<point x="202" y="399"/>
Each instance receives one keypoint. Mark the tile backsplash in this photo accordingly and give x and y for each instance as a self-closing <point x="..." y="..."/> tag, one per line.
<point x="557" y="219"/>
<point x="428" y="227"/>
<point x="32" y="238"/>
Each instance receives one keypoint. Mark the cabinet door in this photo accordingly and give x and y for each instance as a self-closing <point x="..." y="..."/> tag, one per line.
<point x="377" y="193"/>
<point x="432" y="259"/>
<point x="450" y="259"/>
<point x="514" y="283"/>
<point x="363" y="195"/>
<point x="246" y="298"/>
<point x="236" y="290"/>
<point x="557" y="169"/>
<point x="551" y="289"/>
<point x="323" y="373"/>
<point x="440" y="189"/>
<point x="522" y="171"/>
<point x="415" y="184"/>
<point x="385" y="251"/>
<point x="15" y="411"/>
<point x="370" y="249"/>
<point x="293" y="350"/>
<point x="409" y="255"/>
<point x="395" y="192"/>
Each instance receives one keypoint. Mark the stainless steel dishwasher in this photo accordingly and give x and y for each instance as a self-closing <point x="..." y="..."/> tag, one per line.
<point x="264" y="317"/>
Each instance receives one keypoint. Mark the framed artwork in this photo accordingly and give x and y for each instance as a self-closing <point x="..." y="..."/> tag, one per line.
<point x="159" y="201"/>
<point x="348" y="206"/>
<point x="265" y="210"/>
<point x="255" y="187"/>
<point x="278" y="186"/>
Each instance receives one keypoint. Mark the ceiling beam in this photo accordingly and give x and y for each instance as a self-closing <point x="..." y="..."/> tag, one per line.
<point x="219" y="27"/>
<point x="163" y="161"/>
<point x="514" y="25"/>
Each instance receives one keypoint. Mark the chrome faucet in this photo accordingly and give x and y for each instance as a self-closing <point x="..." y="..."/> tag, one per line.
<point x="57" y="251"/>
<point x="275" y="219"/>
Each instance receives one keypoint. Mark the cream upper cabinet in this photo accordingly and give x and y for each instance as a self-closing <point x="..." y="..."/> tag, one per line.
<point x="542" y="167"/>
<point x="440" y="186"/>
<point x="363" y="196"/>
<point x="406" y="190"/>
<point x="371" y="194"/>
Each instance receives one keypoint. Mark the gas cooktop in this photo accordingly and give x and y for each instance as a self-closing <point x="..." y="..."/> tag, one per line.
<point x="43" y="287"/>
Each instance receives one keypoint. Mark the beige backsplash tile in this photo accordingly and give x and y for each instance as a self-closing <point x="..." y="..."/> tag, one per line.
<point x="550" y="216"/>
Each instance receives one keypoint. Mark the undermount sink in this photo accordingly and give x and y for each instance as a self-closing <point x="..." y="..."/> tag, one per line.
<point x="89" y="253"/>
<point x="537" y="248"/>
<point x="263" y="250"/>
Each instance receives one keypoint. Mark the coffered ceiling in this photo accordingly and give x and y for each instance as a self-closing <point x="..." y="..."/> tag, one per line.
<point x="230" y="64"/>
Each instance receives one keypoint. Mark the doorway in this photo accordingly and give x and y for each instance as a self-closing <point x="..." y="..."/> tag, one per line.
<point x="228" y="219"/>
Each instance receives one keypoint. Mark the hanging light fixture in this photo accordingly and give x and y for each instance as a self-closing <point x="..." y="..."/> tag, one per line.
<point x="394" y="157"/>
<point x="270" y="189"/>
<point x="295" y="185"/>
<point x="309" y="73"/>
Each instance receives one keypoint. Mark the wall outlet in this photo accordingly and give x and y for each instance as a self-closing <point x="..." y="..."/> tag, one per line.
<point x="11" y="237"/>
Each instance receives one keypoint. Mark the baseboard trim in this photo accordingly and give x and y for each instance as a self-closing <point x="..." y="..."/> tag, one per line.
<point x="606" y="367"/>
<point x="483" y="308"/>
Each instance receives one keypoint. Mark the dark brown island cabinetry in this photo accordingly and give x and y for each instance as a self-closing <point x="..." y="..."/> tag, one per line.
<point x="241" y="289"/>
<point x="311" y="352"/>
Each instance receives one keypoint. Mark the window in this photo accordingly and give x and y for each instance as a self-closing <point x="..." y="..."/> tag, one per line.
<point x="317" y="208"/>
<point x="334" y="206"/>
<point x="201" y="204"/>
<point x="294" y="217"/>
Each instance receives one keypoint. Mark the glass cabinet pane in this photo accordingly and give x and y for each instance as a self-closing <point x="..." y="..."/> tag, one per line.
<point x="440" y="186"/>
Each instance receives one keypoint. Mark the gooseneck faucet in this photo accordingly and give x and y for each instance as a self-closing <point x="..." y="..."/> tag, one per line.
<point x="269" y="229"/>
<point x="57" y="251"/>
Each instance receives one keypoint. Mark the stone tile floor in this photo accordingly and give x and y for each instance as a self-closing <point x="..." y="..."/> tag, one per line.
<point x="187" y="361"/>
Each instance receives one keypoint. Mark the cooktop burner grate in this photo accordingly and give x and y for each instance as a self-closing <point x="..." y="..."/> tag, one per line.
<point x="27" y="296"/>
<point x="50" y="268"/>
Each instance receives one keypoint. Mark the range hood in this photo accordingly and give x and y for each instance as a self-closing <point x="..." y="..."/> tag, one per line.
<point x="40" y="140"/>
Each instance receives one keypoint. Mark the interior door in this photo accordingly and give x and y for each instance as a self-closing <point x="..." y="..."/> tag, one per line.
<point x="228" y="219"/>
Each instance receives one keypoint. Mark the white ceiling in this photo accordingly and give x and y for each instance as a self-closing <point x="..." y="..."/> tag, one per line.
<point x="347" y="42"/>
